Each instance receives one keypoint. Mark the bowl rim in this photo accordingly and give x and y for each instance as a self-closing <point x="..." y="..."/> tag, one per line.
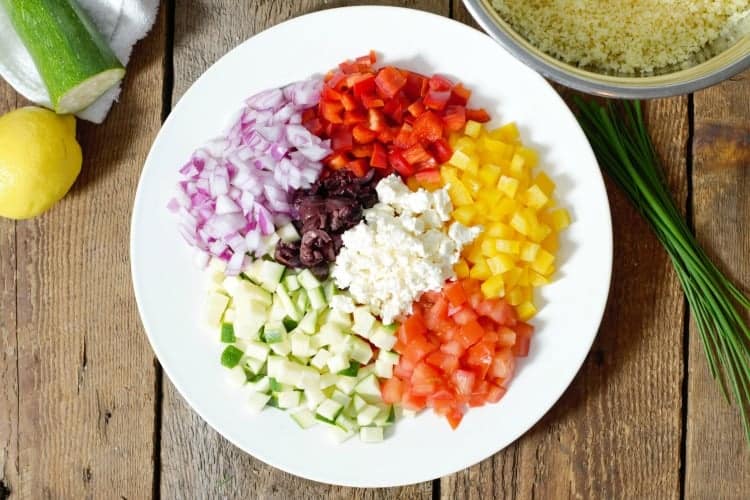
<point x="668" y="85"/>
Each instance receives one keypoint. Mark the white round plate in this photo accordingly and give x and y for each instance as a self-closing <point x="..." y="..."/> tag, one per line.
<point x="168" y="286"/>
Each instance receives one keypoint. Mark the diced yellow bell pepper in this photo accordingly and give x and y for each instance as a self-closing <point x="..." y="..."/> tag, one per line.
<point x="508" y="246"/>
<point x="535" y="198"/>
<point x="537" y="279"/>
<point x="526" y="311"/>
<point x="461" y="268"/>
<point x="466" y="144"/>
<point x="540" y="232"/>
<point x="551" y="243"/>
<point x="489" y="174"/>
<point x="493" y="287"/>
<point x="543" y="261"/>
<point x="505" y="208"/>
<point x="531" y="158"/>
<point x="472" y="183"/>
<point x="507" y="133"/>
<point x="464" y="214"/>
<point x="488" y="247"/>
<point x="480" y="271"/>
<point x="545" y="183"/>
<point x="520" y="224"/>
<point x="508" y="185"/>
<point x="511" y="277"/>
<point x="459" y="193"/>
<point x="499" y="230"/>
<point x="474" y="253"/>
<point x="472" y="128"/>
<point x="515" y="296"/>
<point x="501" y="263"/>
<point x="529" y="251"/>
<point x="560" y="219"/>
<point x="460" y="159"/>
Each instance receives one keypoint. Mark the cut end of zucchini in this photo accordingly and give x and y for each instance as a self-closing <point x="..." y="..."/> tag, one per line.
<point x="85" y="93"/>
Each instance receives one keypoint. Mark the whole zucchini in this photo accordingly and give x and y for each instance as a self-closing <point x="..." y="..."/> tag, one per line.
<point x="73" y="59"/>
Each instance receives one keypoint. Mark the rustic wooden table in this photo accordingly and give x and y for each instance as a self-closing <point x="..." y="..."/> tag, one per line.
<point x="85" y="411"/>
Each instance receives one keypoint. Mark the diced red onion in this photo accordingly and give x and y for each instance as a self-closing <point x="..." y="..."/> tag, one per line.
<point x="236" y="188"/>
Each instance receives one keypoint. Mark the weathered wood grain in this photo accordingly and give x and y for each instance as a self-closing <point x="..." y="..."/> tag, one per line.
<point x="196" y="461"/>
<point x="85" y="371"/>
<point x="9" y="473"/>
<point x="717" y="464"/>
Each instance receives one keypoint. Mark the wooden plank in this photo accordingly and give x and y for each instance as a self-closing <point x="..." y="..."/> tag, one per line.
<point x="593" y="443"/>
<point x="716" y="451"/>
<point x="86" y="371"/>
<point x="9" y="473"/>
<point x="194" y="457"/>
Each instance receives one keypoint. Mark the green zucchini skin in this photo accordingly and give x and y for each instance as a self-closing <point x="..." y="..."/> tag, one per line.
<point x="66" y="47"/>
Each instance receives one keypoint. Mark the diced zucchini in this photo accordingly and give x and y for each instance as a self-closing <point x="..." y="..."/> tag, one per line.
<point x="290" y="373"/>
<point x="368" y="387"/>
<point x="367" y="415"/>
<point x="288" y="399"/>
<point x="342" y="303"/>
<point x="409" y="413"/>
<point x="309" y="323"/>
<point x="228" y="316"/>
<point x="243" y="289"/>
<point x="328" y="380"/>
<point x="360" y="351"/>
<point x="307" y="280"/>
<point x="267" y="245"/>
<point x="386" y="416"/>
<point x="274" y="332"/>
<point x="339" y="317"/>
<point x="333" y="334"/>
<point x="371" y="434"/>
<point x="313" y="398"/>
<point x="304" y="418"/>
<point x="282" y="348"/>
<point x="316" y="298"/>
<point x="329" y="409"/>
<point x="231" y="356"/>
<point x="337" y="434"/>
<point x="236" y="376"/>
<point x="346" y="384"/>
<point x="320" y="359"/>
<point x="365" y="371"/>
<point x="215" y="305"/>
<point x="274" y="365"/>
<point x="249" y="319"/>
<point x="345" y="423"/>
<point x="340" y="397"/>
<point x="337" y="362"/>
<point x="351" y="370"/>
<point x="288" y="233"/>
<point x="329" y="290"/>
<point x="277" y="311"/>
<point x="310" y="379"/>
<point x="383" y="369"/>
<point x="274" y="385"/>
<point x="254" y="365"/>
<point x="289" y="323"/>
<point x="383" y="339"/>
<point x="256" y="401"/>
<point x="389" y="357"/>
<point x="227" y="333"/>
<point x="290" y="282"/>
<point x="257" y="350"/>
<point x="261" y="385"/>
<point x="358" y="403"/>
<point x="363" y="321"/>
<point x="300" y="300"/>
<point x="252" y="270"/>
<point x="286" y="301"/>
<point x="269" y="274"/>
<point x="300" y="344"/>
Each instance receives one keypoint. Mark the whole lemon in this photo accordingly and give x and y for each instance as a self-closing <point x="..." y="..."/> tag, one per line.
<point x="39" y="160"/>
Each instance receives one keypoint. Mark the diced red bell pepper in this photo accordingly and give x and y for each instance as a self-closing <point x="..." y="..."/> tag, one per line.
<point x="454" y="118"/>
<point x="376" y="120"/>
<point x="370" y="101"/>
<point x="399" y="164"/>
<point x="440" y="83"/>
<point x="359" y="167"/>
<point x="362" y="150"/>
<point x="379" y="158"/>
<point x="429" y="178"/>
<point x="331" y="111"/>
<point x="389" y="81"/>
<point x="416" y="154"/>
<point x="428" y="127"/>
<point x="337" y="161"/>
<point x="363" y="84"/>
<point x="404" y="138"/>
<point x="459" y="95"/>
<point x="441" y="150"/>
<point x="341" y="138"/>
<point x="437" y="99"/>
<point x="355" y="116"/>
<point x="363" y="135"/>
<point x="478" y="115"/>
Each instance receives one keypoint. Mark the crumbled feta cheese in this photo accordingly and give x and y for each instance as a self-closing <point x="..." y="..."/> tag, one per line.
<point x="401" y="251"/>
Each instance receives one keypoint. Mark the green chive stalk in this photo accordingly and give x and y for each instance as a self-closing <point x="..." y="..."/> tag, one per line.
<point x="618" y="135"/>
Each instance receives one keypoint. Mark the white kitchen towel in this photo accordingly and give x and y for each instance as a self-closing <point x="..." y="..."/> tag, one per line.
<point x="122" y="22"/>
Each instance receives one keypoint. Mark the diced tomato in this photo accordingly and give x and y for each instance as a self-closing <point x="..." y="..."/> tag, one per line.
<point x="465" y="315"/>
<point x="499" y="311"/>
<point x="414" y="327"/>
<point x="478" y="115"/>
<point x="379" y="158"/>
<point x="455" y="293"/>
<point x="523" y="339"/>
<point x="359" y="167"/>
<point x="417" y="349"/>
<point x="454" y="417"/>
<point x="390" y="81"/>
<point x="425" y="379"/>
<point x="495" y="393"/>
<point x="448" y="363"/>
<point x="502" y="364"/>
<point x="412" y="401"/>
<point x="480" y="355"/>
<point x="469" y="334"/>
<point x="441" y="150"/>
<point x="440" y="83"/>
<point x="454" y="118"/>
<point x="399" y="164"/>
<point x="392" y="390"/>
<point x="463" y="381"/>
<point x="428" y="127"/>
<point x="506" y="337"/>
